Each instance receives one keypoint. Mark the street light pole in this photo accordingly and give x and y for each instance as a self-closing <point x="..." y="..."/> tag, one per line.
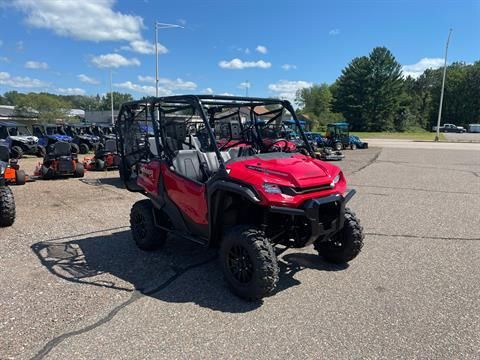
<point x="159" y="25"/>
<point x="111" y="96"/>
<point x="437" y="136"/>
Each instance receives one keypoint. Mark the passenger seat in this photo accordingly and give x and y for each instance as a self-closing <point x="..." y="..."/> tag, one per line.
<point x="187" y="163"/>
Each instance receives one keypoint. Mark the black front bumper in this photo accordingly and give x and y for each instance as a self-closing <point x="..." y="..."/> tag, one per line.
<point x="314" y="210"/>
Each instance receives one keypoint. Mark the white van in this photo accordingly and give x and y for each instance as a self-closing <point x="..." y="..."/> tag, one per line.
<point x="474" y="128"/>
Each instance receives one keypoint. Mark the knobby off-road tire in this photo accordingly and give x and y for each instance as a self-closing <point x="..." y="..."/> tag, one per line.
<point x="249" y="262"/>
<point x="41" y="151"/>
<point x="338" y="146"/>
<point x="20" y="178"/>
<point x="83" y="149"/>
<point x="147" y="236"/>
<point x="7" y="207"/>
<point x="75" y="148"/>
<point x="17" y="152"/>
<point x="344" y="245"/>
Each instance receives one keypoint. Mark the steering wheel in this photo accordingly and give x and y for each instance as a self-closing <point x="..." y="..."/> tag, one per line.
<point x="283" y="148"/>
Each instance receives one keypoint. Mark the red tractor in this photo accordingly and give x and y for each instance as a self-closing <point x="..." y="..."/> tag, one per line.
<point x="229" y="190"/>
<point x="60" y="161"/>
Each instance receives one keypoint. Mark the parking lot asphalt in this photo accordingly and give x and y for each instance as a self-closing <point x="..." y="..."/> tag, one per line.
<point x="75" y="286"/>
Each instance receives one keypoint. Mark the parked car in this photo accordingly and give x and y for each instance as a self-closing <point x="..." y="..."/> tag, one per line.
<point x="450" y="128"/>
<point x="474" y="128"/>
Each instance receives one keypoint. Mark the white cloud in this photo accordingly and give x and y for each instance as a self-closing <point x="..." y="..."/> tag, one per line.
<point x="93" y="20"/>
<point x="36" y="65"/>
<point x="166" y="86"/>
<point x="208" y="91"/>
<point x="143" y="89"/>
<point x="415" y="70"/>
<point x="261" y="49"/>
<point x="287" y="67"/>
<point x="176" y="84"/>
<point x="245" y="85"/>
<point x="334" y="32"/>
<point x="113" y="61"/>
<point x="237" y="64"/>
<point x="21" y="81"/>
<point x="287" y="89"/>
<point x="87" y="79"/>
<point x="144" y="47"/>
<point x="71" y="91"/>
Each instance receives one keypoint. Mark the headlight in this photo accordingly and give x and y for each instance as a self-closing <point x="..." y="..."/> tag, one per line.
<point x="271" y="188"/>
<point x="336" y="179"/>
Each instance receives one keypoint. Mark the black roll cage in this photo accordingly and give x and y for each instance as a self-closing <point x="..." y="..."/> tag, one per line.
<point x="199" y="102"/>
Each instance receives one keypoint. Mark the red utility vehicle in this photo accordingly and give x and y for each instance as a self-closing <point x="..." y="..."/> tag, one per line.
<point x="223" y="186"/>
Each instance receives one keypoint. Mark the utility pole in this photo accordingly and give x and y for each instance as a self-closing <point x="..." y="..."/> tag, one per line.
<point x="437" y="136"/>
<point x="159" y="25"/>
<point x="111" y="96"/>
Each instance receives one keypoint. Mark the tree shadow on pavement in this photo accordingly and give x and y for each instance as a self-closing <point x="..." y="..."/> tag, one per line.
<point x="182" y="272"/>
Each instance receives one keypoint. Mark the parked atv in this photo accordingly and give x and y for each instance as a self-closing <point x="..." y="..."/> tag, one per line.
<point x="7" y="201"/>
<point x="247" y="203"/>
<point x="83" y="137"/>
<point x="338" y="137"/>
<point x="60" y="161"/>
<point x="20" y="140"/>
<point x="50" y="134"/>
<point x="104" y="132"/>
<point x="105" y="157"/>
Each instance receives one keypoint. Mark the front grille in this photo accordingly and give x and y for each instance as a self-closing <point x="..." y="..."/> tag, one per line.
<point x="299" y="191"/>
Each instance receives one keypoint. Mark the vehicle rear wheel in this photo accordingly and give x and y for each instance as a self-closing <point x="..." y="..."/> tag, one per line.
<point x="46" y="172"/>
<point x="41" y="151"/>
<point x="249" y="262"/>
<point x="79" y="170"/>
<point x="17" y="152"/>
<point x="147" y="236"/>
<point x="84" y="149"/>
<point x="338" y="146"/>
<point x="344" y="245"/>
<point x="99" y="164"/>
<point x="20" y="178"/>
<point x="7" y="207"/>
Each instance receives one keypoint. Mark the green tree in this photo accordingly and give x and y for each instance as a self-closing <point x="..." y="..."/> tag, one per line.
<point x="315" y="102"/>
<point x="369" y="91"/>
<point x="118" y="100"/>
<point x="50" y="107"/>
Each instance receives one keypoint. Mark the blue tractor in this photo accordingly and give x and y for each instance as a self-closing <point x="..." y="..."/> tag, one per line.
<point x="338" y="137"/>
<point x="50" y="134"/>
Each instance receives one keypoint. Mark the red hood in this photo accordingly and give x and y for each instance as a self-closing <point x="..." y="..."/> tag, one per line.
<point x="295" y="170"/>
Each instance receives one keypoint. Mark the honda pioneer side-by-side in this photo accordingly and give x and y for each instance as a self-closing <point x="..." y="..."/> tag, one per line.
<point x="229" y="190"/>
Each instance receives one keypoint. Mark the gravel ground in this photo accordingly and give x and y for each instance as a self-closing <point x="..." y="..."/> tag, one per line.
<point x="75" y="286"/>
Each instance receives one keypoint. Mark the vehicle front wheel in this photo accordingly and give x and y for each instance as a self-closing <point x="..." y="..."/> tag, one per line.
<point x="346" y="244"/>
<point x="338" y="146"/>
<point x="249" y="262"/>
<point x="84" y="149"/>
<point x="79" y="170"/>
<point x="99" y="164"/>
<point x="147" y="236"/>
<point x="7" y="207"/>
<point x="353" y="146"/>
<point x="17" y="152"/>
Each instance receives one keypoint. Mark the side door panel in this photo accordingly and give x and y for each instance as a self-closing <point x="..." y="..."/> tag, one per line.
<point x="188" y="195"/>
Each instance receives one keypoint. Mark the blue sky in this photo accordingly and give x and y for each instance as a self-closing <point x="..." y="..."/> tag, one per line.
<point x="69" y="47"/>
